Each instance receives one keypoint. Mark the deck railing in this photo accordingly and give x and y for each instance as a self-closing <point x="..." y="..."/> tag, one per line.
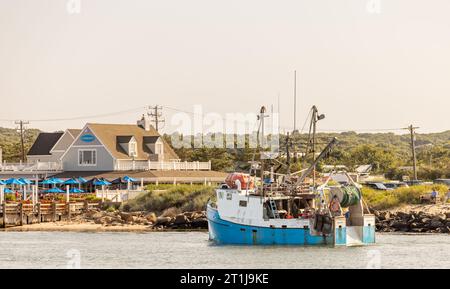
<point x="31" y="167"/>
<point x="127" y="165"/>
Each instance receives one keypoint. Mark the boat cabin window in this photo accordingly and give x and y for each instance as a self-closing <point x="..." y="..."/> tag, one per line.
<point x="229" y="196"/>
<point x="242" y="203"/>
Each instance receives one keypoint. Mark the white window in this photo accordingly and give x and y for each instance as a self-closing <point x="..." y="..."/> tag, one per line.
<point x="87" y="157"/>
<point x="159" y="149"/>
<point x="132" y="148"/>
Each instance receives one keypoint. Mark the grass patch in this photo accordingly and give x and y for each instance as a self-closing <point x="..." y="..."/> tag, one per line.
<point x="402" y="196"/>
<point x="177" y="198"/>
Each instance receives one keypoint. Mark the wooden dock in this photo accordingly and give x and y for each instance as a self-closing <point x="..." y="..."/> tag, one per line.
<point x="19" y="214"/>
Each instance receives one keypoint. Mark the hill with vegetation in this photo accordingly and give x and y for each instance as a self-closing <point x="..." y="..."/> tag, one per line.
<point x="389" y="153"/>
<point x="10" y="143"/>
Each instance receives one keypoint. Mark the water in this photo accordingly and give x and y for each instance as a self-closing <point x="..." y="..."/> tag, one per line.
<point x="192" y="250"/>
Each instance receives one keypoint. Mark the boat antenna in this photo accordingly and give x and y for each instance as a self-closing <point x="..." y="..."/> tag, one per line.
<point x="295" y="100"/>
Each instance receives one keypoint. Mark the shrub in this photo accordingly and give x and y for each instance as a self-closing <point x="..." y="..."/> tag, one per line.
<point x="407" y="195"/>
<point x="179" y="197"/>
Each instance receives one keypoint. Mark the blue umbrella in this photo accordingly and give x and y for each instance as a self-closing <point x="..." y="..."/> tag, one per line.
<point x="71" y="182"/>
<point x="54" y="190"/>
<point x="14" y="181"/>
<point x="47" y="182"/>
<point x="2" y="183"/>
<point x="129" y="179"/>
<point x="57" y="181"/>
<point x="82" y="180"/>
<point x="52" y="181"/>
<point x="75" y="191"/>
<point x="25" y="181"/>
<point x="100" y="182"/>
<point x="8" y="191"/>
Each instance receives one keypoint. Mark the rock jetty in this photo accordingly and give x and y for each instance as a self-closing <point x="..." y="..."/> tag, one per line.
<point x="414" y="222"/>
<point x="187" y="220"/>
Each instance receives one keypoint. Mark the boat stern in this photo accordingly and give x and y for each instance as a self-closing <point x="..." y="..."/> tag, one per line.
<point x="344" y="235"/>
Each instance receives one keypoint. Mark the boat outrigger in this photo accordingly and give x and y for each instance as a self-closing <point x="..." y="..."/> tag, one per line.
<point x="285" y="210"/>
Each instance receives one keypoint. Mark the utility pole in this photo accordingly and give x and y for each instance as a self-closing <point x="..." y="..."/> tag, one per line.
<point x="21" y="130"/>
<point x="412" y="132"/>
<point x="156" y="116"/>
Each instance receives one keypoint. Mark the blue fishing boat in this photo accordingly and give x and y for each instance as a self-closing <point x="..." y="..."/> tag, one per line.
<point x="280" y="209"/>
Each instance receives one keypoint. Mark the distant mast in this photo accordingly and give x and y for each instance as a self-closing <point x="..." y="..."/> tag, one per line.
<point x="295" y="100"/>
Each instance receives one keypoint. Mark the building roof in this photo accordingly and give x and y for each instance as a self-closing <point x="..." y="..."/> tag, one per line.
<point x="44" y="143"/>
<point x="74" y="132"/>
<point x="108" y="133"/>
<point x="364" y="169"/>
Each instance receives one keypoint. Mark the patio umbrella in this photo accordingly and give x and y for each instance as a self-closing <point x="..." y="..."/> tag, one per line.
<point x="129" y="179"/>
<point x="2" y="183"/>
<point x="57" y="181"/>
<point x="25" y="181"/>
<point x="118" y="181"/>
<point x="75" y="191"/>
<point x="71" y="182"/>
<point x="8" y="191"/>
<point x="54" y="190"/>
<point x="100" y="182"/>
<point x="13" y="181"/>
<point x="82" y="180"/>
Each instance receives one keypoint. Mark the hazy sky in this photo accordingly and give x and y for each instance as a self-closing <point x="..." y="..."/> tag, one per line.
<point x="366" y="68"/>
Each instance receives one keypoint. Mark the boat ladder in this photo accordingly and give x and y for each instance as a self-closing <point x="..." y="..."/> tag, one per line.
<point x="273" y="207"/>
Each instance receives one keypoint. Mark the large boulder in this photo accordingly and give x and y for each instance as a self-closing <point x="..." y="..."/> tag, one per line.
<point x="200" y="223"/>
<point x="189" y="214"/>
<point x="436" y="224"/>
<point x="151" y="217"/>
<point x="181" y="219"/>
<point x="163" y="221"/>
<point x="403" y="216"/>
<point x="97" y="215"/>
<point x="127" y="217"/>
<point x="400" y="225"/>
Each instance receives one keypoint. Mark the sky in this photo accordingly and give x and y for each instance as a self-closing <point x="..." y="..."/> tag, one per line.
<point x="368" y="65"/>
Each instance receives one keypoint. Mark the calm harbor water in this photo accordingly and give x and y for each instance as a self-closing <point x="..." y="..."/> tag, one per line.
<point x="193" y="250"/>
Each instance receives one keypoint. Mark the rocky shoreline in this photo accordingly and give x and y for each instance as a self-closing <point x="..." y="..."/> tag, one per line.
<point x="410" y="219"/>
<point x="185" y="221"/>
<point x="413" y="220"/>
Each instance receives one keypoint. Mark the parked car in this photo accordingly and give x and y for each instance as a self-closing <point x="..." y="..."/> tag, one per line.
<point x="414" y="182"/>
<point x="442" y="181"/>
<point x="377" y="186"/>
<point x="395" y="185"/>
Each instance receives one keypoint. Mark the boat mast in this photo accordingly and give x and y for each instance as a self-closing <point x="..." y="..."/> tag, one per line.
<point x="261" y="144"/>
<point x="313" y="126"/>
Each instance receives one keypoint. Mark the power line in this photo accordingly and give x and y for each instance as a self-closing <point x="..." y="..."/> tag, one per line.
<point x="82" y="117"/>
<point x="290" y="128"/>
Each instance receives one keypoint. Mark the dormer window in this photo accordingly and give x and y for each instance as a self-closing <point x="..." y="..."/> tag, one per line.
<point x="128" y="145"/>
<point x="132" y="148"/>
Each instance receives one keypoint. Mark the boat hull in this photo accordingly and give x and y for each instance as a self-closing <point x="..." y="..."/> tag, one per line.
<point x="226" y="232"/>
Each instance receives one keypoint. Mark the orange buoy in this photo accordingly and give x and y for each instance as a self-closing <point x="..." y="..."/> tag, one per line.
<point x="245" y="180"/>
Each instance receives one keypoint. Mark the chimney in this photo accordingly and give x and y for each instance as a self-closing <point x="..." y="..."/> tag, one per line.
<point x="144" y="123"/>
